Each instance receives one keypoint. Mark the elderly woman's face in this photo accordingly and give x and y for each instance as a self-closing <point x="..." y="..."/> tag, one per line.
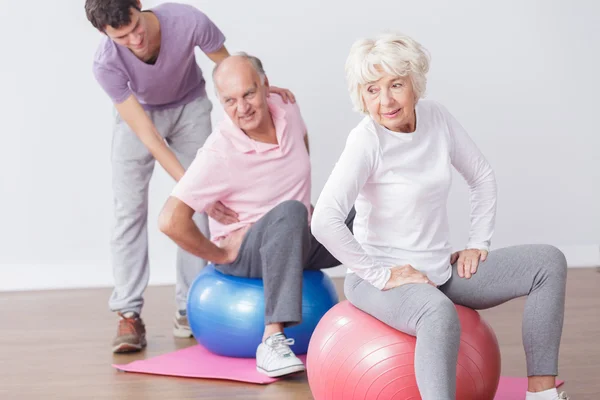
<point x="391" y="102"/>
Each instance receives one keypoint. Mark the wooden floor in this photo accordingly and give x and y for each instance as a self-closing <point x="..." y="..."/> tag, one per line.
<point x="56" y="345"/>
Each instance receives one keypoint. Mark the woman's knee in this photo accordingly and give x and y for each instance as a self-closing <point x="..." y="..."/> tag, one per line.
<point x="551" y="260"/>
<point x="440" y="313"/>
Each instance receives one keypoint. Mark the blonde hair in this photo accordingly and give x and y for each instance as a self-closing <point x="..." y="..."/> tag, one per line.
<point x="391" y="53"/>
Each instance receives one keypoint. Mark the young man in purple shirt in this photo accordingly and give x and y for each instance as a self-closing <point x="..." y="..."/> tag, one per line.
<point x="146" y="64"/>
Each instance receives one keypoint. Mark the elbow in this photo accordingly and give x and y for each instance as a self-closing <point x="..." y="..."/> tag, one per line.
<point x="491" y="177"/>
<point x="484" y="179"/>
<point x="319" y="225"/>
<point x="167" y="220"/>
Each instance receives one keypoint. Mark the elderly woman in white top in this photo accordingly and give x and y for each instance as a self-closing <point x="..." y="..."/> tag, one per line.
<point x="396" y="170"/>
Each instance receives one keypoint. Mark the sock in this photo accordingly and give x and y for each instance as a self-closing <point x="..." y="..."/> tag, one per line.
<point x="550" y="394"/>
<point x="269" y="342"/>
<point x="129" y="314"/>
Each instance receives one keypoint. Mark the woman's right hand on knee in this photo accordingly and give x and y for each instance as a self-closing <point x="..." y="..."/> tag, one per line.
<point x="403" y="274"/>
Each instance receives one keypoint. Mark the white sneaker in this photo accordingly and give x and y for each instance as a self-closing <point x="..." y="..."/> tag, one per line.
<point x="563" y="396"/>
<point x="275" y="358"/>
<point x="181" y="326"/>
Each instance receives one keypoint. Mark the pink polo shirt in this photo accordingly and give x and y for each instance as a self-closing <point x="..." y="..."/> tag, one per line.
<point x="247" y="176"/>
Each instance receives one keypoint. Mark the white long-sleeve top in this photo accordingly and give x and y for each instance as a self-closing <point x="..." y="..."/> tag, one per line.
<point x="399" y="184"/>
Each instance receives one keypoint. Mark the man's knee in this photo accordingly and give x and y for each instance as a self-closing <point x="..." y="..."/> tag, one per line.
<point x="286" y="226"/>
<point x="291" y="211"/>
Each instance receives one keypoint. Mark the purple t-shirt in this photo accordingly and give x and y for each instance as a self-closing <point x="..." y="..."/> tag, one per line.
<point x="175" y="78"/>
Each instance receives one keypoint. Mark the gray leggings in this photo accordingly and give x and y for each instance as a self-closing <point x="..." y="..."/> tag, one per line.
<point x="278" y="248"/>
<point x="536" y="271"/>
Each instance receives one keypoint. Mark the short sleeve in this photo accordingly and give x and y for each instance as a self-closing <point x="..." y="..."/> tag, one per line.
<point x="207" y="35"/>
<point x="205" y="181"/>
<point x="302" y="130"/>
<point x="114" y="83"/>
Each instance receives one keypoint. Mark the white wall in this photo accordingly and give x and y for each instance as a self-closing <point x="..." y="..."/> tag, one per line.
<point x="521" y="76"/>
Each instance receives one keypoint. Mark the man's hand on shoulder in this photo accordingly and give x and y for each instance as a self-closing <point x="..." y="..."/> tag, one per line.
<point x="285" y="94"/>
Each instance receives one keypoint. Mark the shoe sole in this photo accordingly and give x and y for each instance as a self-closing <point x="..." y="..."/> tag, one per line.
<point x="292" y="369"/>
<point x="182" y="333"/>
<point x="128" y="348"/>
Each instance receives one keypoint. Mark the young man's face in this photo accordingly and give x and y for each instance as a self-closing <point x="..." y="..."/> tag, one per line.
<point x="133" y="36"/>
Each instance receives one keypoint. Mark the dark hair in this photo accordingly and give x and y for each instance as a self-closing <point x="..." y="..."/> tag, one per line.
<point x="114" y="13"/>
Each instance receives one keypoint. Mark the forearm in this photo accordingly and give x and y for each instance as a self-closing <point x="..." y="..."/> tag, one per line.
<point x="176" y="222"/>
<point x="483" y="194"/>
<point x="140" y="123"/>
<point x="470" y="162"/>
<point x="189" y="238"/>
<point x="151" y="138"/>
<point x="329" y="228"/>
<point x="165" y="157"/>
<point x="185" y="234"/>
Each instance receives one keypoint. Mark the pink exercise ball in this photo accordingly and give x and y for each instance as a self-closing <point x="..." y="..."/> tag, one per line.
<point x="353" y="355"/>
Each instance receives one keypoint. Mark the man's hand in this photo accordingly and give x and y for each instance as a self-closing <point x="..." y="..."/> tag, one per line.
<point x="175" y="221"/>
<point x="285" y="94"/>
<point x="220" y="213"/>
<point x="403" y="274"/>
<point x="232" y="243"/>
<point x="468" y="261"/>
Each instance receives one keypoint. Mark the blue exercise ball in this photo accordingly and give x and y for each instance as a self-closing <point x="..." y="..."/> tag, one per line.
<point x="226" y="313"/>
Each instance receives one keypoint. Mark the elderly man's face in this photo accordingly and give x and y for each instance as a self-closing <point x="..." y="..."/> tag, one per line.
<point x="243" y="96"/>
<point x="391" y="102"/>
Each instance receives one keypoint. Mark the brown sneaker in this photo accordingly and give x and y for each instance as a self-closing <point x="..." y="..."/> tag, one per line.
<point x="181" y="325"/>
<point x="131" y="335"/>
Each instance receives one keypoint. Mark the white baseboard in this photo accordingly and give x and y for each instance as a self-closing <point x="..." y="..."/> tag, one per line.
<point x="582" y="256"/>
<point x="16" y="277"/>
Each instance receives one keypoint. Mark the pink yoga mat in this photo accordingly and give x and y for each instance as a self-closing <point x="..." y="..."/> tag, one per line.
<point x="197" y="362"/>
<point x="511" y="388"/>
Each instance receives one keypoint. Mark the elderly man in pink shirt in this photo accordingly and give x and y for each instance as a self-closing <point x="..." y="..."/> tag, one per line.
<point x="256" y="163"/>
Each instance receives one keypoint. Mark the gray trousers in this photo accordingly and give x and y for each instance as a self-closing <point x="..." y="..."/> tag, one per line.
<point x="278" y="248"/>
<point x="536" y="271"/>
<point x="185" y="129"/>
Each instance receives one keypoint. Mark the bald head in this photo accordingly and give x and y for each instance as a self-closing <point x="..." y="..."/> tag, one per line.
<point x="236" y="64"/>
<point x="243" y="88"/>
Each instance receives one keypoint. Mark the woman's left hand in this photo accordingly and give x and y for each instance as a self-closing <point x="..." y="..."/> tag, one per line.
<point x="468" y="261"/>
<point x="284" y="93"/>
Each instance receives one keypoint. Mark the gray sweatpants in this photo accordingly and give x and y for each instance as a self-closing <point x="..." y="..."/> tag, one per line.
<point x="278" y="247"/>
<point x="185" y="129"/>
<point x="536" y="271"/>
